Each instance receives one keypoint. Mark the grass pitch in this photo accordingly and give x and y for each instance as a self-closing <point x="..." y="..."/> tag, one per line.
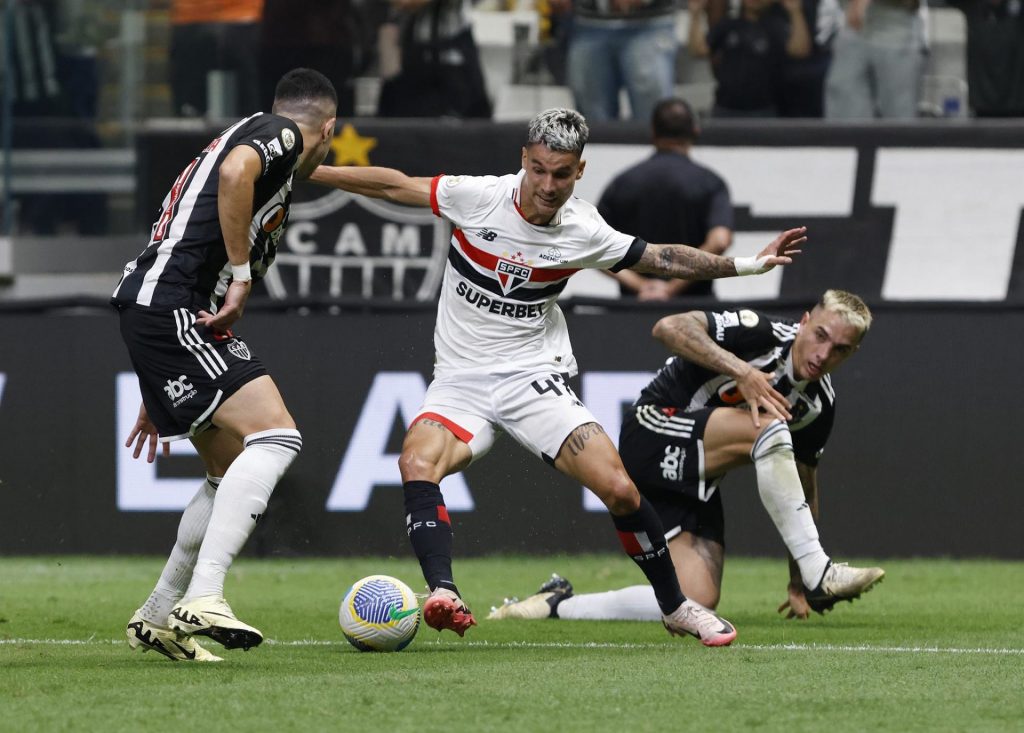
<point x="939" y="646"/>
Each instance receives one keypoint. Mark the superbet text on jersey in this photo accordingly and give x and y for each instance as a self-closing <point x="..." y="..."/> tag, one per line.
<point x="497" y="309"/>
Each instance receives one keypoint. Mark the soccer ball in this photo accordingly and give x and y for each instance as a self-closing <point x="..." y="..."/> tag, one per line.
<point x="379" y="614"/>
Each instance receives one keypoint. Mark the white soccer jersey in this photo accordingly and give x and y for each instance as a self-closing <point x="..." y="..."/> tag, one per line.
<point x="497" y="311"/>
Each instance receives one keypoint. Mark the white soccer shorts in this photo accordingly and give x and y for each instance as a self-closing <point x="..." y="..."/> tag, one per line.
<point x="538" y="409"/>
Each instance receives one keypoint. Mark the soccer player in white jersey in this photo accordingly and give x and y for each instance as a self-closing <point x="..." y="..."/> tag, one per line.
<point x="691" y="425"/>
<point x="177" y="301"/>
<point x="503" y="355"/>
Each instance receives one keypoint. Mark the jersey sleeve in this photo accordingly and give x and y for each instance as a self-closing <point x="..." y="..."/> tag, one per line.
<point x="459" y="198"/>
<point x="609" y="248"/>
<point x="741" y="331"/>
<point x="276" y="140"/>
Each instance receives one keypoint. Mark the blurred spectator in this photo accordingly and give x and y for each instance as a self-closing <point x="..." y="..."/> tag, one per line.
<point x="35" y="88"/>
<point x="995" y="56"/>
<point x="430" y="64"/>
<point x="330" y="36"/>
<point x="669" y="198"/>
<point x="877" y="61"/>
<point x="54" y="92"/>
<point x="621" y="44"/>
<point x="748" y="53"/>
<point x="802" y="91"/>
<point x="209" y="36"/>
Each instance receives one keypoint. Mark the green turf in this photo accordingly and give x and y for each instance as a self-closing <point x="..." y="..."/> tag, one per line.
<point x="939" y="646"/>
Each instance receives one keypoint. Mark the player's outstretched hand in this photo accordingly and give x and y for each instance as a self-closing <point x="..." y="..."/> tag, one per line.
<point x="231" y="310"/>
<point x="757" y="390"/>
<point x="780" y="251"/>
<point x="144" y="431"/>
<point x="795" y="606"/>
<point x="784" y="246"/>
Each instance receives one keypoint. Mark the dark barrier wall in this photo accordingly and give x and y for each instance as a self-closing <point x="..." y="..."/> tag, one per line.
<point x="924" y="458"/>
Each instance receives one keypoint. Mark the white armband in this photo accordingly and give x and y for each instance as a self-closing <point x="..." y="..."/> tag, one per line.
<point x="241" y="273"/>
<point x="751" y="265"/>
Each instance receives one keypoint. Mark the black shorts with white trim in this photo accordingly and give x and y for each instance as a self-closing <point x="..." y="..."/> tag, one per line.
<point x="186" y="371"/>
<point x="662" y="449"/>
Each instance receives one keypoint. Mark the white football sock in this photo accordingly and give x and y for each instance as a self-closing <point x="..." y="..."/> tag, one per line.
<point x="635" y="603"/>
<point x="782" y="495"/>
<point x="241" y="500"/>
<point x="177" y="571"/>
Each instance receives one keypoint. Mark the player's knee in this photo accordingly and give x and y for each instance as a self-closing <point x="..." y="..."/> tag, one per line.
<point x="774" y="440"/>
<point x="415" y="465"/>
<point x="620" y="495"/>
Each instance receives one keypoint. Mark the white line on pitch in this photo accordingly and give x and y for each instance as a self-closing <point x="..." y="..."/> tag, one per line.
<point x="587" y="645"/>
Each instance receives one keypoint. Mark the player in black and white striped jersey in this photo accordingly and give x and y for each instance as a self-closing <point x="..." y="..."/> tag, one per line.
<point x="705" y="413"/>
<point x="217" y="230"/>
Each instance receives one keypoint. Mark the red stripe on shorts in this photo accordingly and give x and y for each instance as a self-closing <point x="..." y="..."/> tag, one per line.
<point x="459" y="432"/>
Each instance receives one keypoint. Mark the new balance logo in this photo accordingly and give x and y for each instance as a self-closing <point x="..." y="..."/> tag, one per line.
<point x="487" y="234"/>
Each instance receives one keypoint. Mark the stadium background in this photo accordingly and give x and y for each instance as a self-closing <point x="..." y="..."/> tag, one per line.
<point x="923" y="219"/>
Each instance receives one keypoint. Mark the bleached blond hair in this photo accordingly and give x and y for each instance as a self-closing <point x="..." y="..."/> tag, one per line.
<point x="849" y="307"/>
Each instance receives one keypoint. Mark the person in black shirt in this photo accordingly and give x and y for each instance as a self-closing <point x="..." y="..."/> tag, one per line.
<point x="217" y="229"/>
<point x="748" y="53"/>
<point x="742" y="387"/>
<point x="669" y="198"/>
<point x="995" y="56"/>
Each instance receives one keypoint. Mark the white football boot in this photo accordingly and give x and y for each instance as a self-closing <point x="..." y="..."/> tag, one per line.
<point x="145" y="635"/>
<point x="212" y="616"/>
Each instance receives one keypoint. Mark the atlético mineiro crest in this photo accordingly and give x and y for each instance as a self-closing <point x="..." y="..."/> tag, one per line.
<point x="511" y="274"/>
<point x="239" y="349"/>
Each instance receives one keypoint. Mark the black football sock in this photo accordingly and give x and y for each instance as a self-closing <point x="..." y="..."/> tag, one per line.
<point x="430" y="531"/>
<point x="643" y="539"/>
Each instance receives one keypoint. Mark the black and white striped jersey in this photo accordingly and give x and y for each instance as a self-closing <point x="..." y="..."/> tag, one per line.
<point x="185" y="263"/>
<point x="765" y="342"/>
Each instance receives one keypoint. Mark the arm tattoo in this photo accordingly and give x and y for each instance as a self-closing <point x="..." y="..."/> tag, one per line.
<point x="688" y="263"/>
<point x="690" y="339"/>
<point x="577" y="440"/>
<point x="431" y="423"/>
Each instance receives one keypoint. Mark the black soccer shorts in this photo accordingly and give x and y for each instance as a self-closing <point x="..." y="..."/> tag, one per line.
<point x="662" y="449"/>
<point x="186" y="371"/>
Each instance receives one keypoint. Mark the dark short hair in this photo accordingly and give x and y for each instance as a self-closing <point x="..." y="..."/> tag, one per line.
<point x="674" y="118"/>
<point x="302" y="89"/>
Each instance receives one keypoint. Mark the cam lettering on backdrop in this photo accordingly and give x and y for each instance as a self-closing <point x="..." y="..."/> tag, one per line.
<point x="607" y="394"/>
<point x="344" y="245"/>
<point x="367" y="465"/>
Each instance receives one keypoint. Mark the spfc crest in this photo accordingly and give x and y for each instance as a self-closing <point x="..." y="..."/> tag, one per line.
<point x="239" y="349"/>
<point x="511" y="274"/>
